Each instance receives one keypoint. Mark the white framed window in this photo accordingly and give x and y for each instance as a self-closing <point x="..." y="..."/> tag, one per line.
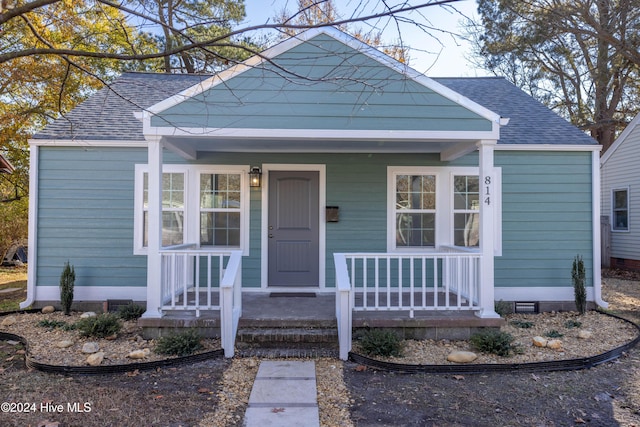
<point x="466" y="210"/>
<point x="206" y="205"/>
<point x="620" y="209"/>
<point x="415" y="210"/>
<point x="220" y="208"/>
<point x="432" y="207"/>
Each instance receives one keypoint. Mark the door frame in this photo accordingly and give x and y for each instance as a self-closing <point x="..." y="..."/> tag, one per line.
<point x="264" y="224"/>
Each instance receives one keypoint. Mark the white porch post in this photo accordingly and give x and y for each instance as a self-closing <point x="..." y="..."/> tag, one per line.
<point x="488" y="199"/>
<point x="154" y="224"/>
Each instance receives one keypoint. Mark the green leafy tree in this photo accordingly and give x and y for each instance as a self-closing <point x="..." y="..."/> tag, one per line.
<point x="579" y="57"/>
<point x="37" y="88"/>
<point x="199" y="22"/>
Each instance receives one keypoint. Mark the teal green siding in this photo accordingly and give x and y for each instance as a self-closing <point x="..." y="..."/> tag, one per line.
<point x="546" y="217"/>
<point x="319" y="90"/>
<point x="86" y="203"/>
<point x="85" y="216"/>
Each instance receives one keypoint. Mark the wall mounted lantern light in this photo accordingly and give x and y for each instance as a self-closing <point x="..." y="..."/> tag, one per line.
<point x="255" y="175"/>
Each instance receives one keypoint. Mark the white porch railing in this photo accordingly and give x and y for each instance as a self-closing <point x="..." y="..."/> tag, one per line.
<point x="447" y="280"/>
<point x="198" y="279"/>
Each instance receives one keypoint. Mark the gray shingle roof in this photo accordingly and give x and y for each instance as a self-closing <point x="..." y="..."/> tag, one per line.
<point x="530" y="121"/>
<point x="108" y="115"/>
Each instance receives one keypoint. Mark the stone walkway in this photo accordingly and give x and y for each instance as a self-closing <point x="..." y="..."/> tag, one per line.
<point x="284" y="395"/>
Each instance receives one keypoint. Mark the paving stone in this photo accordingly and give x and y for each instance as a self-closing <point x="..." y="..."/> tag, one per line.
<point x="284" y="394"/>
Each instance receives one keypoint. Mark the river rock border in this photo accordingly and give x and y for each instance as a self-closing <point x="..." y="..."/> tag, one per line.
<point x="106" y="369"/>
<point x="485" y="368"/>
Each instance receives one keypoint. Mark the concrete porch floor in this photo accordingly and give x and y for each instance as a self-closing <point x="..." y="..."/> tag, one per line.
<point x="280" y="310"/>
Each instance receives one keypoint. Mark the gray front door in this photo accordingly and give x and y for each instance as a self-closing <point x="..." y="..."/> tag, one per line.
<point x="293" y="228"/>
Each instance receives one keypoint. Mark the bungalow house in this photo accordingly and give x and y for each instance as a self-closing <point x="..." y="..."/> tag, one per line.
<point x="620" y="198"/>
<point x="320" y="166"/>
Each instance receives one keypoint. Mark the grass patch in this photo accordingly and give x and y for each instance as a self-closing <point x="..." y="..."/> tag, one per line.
<point x="12" y="277"/>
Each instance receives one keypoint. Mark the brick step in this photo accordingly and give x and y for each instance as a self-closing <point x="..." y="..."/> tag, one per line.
<point x="288" y="337"/>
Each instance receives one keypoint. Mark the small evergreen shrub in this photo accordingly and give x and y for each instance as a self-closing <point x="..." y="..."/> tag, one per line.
<point x="130" y="311"/>
<point x="522" y="324"/>
<point x="570" y="324"/>
<point x="100" y="326"/>
<point x="495" y="342"/>
<point x="578" y="277"/>
<point x="181" y="344"/>
<point x="51" y="324"/>
<point x="503" y="308"/>
<point x="381" y="342"/>
<point x="553" y="334"/>
<point x="67" y="282"/>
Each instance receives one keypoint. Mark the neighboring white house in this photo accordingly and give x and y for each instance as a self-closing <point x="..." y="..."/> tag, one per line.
<point x="620" y="166"/>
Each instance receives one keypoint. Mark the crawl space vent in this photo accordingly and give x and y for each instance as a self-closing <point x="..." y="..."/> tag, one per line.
<point x="526" y="307"/>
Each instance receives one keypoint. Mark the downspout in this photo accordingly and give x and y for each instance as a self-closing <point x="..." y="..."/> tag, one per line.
<point x="33" y="226"/>
<point x="597" y="249"/>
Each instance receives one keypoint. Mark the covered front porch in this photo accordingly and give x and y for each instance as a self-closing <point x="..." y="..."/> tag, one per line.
<point x="435" y="295"/>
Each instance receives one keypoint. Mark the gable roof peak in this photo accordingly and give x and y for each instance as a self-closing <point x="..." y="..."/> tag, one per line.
<point x="342" y="37"/>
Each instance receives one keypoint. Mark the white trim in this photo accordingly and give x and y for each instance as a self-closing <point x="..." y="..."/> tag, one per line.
<point x="595" y="220"/>
<point x="444" y="204"/>
<point x="32" y="253"/>
<point x="339" y="36"/>
<point x="93" y="293"/>
<point x="87" y="143"/>
<point x="547" y="147"/>
<point x="191" y="202"/>
<point x="612" y="210"/>
<point x="264" y="223"/>
<point x="539" y="293"/>
<point x="620" y="139"/>
<point x="418" y="136"/>
<point x="320" y="134"/>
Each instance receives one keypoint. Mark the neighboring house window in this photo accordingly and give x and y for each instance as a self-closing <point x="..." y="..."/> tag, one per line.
<point x="620" y="210"/>
<point x="220" y="196"/>
<point x="204" y="205"/>
<point x="432" y="208"/>
<point x="415" y="210"/>
<point x="173" y="197"/>
<point x="466" y="211"/>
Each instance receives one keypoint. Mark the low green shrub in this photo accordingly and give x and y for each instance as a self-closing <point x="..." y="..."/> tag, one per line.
<point x="503" y="307"/>
<point x="570" y="324"/>
<point x="181" y="344"/>
<point x="553" y="334"/>
<point x="51" y="324"/>
<point x="131" y="311"/>
<point x="522" y="324"/>
<point x="495" y="342"/>
<point x="100" y="326"/>
<point x="381" y="342"/>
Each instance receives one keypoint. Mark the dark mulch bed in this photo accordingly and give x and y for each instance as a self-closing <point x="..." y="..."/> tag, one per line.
<point x="179" y="396"/>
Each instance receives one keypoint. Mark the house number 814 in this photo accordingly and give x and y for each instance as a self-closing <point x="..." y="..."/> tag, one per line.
<point x="487" y="193"/>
